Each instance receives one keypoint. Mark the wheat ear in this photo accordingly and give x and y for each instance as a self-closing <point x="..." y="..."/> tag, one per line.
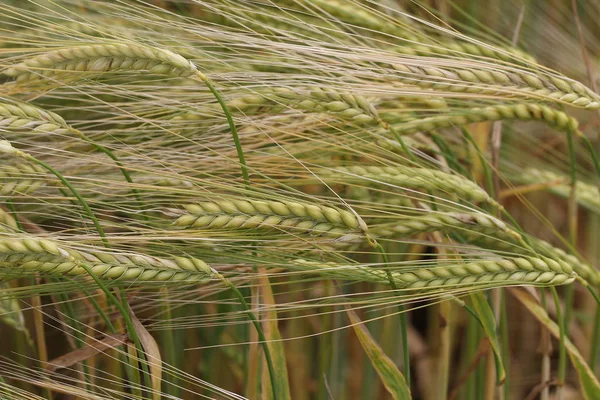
<point x="586" y="193"/>
<point x="512" y="244"/>
<point x="17" y="115"/>
<point x="412" y="44"/>
<point x="488" y="81"/>
<point x="434" y="221"/>
<point x="20" y="176"/>
<point x="586" y="271"/>
<point x="409" y="177"/>
<point x="311" y="98"/>
<point x="497" y="272"/>
<point x="521" y="111"/>
<point x="7" y="222"/>
<point x="47" y="256"/>
<point x="257" y="214"/>
<point x="100" y="58"/>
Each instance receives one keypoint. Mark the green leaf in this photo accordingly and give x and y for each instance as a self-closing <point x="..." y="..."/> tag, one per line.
<point x="390" y="375"/>
<point x="486" y="318"/>
<point x="590" y="386"/>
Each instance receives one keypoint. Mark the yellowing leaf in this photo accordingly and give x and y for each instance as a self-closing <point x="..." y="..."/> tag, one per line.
<point x="152" y="354"/>
<point x="88" y="351"/>
<point x="390" y="375"/>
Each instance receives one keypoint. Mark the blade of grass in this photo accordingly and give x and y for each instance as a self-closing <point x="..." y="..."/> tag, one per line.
<point x="486" y="318"/>
<point x="390" y="375"/>
<point x="152" y="353"/>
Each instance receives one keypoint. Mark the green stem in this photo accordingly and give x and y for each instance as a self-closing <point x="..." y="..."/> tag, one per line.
<point x="592" y="154"/>
<point x="168" y="340"/>
<point x="121" y="307"/>
<point x="261" y="335"/>
<point x="131" y="331"/>
<point x="449" y="155"/>
<point x="399" y="139"/>
<point x="119" y="164"/>
<point x="595" y="340"/>
<point x="234" y="132"/>
<point x="569" y="290"/>
<point x="504" y="344"/>
<point x="77" y="328"/>
<point x="244" y="168"/>
<point x="402" y="311"/>
<point x="596" y="333"/>
<point x="75" y="193"/>
<point x="562" y="350"/>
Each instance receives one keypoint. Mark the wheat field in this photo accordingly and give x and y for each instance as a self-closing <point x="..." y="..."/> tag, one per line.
<point x="299" y="199"/>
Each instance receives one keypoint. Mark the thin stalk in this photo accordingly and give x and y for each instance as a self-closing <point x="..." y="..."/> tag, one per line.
<point x="261" y="335"/>
<point x="234" y="132"/>
<point x="592" y="152"/>
<point x="469" y="391"/>
<point x="399" y="139"/>
<point x="402" y="312"/>
<point x="546" y="360"/>
<point x="244" y="168"/>
<point x="590" y="289"/>
<point x="121" y="306"/>
<point x="504" y="345"/>
<point x="119" y="164"/>
<point x="492" y="181"/>
<point x="444" y="314"/>
<point x="75" y="193"/>
<point x="569" y="290"/>
<point x="595" y="340"/>
<point x="168" y="341"/>
<point x="562" y="350"/>
<point x="92" y="216"/>
<point x="77" y="327"/>
<point x="40" y="337"/>
<point x="595" y="346"/>
<point x="325" y="345"/>
<point x="449" y="155"/>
